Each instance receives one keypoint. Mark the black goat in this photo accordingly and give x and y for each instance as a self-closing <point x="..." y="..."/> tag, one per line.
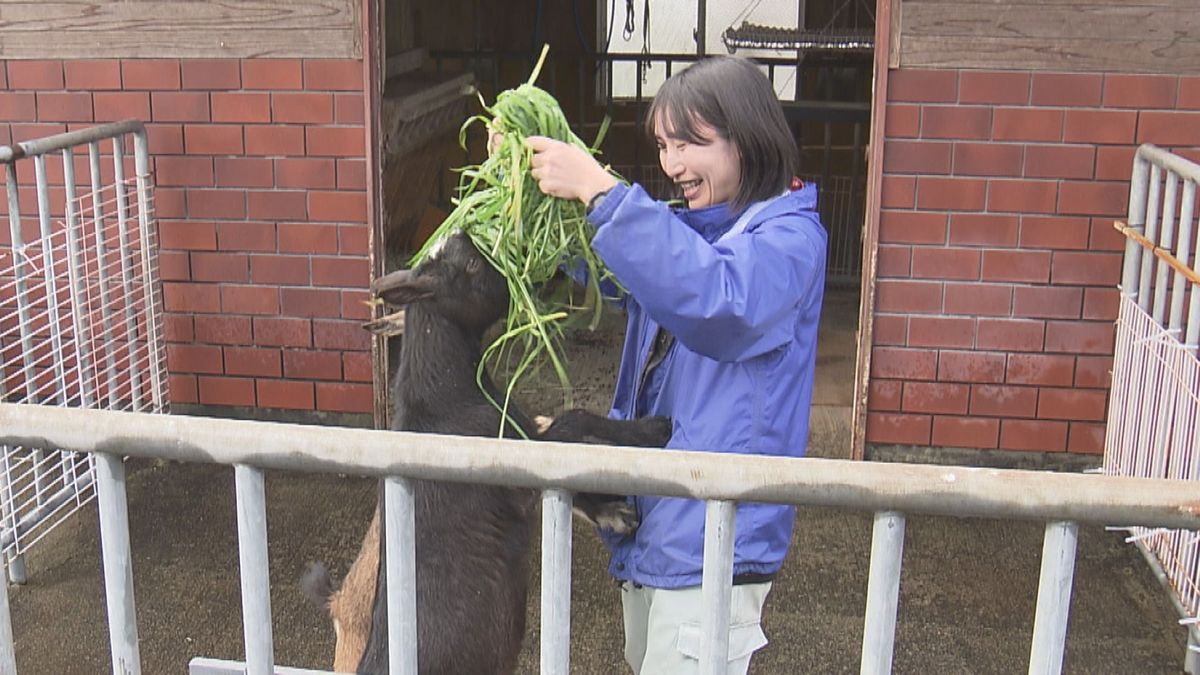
<point x="472" y="541"/>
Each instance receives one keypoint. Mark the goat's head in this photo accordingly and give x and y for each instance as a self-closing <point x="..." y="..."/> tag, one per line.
<point x="454" y="281"/>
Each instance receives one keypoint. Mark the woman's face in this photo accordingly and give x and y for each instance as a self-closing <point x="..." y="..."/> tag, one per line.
<point x="706" y="174"/>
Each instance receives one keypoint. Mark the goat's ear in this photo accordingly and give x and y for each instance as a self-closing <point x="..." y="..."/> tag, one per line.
<point x="403" y="286"/>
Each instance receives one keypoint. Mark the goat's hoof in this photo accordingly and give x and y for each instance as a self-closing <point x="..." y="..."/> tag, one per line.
<point x="616" y="517"/>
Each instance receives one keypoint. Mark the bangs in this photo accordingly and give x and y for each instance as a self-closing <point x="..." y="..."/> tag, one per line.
<point x="684" y="112"/>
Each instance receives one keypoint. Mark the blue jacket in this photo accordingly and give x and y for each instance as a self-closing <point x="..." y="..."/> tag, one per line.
<point x="738" y="377"/>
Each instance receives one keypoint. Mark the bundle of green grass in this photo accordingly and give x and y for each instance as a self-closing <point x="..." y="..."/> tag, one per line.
<point x="526" y="234"/>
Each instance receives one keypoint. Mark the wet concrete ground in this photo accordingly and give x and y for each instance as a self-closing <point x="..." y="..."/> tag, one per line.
<point x="967" y="598"/>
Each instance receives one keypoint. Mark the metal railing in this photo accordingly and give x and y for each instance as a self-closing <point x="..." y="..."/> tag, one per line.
<point x="80" y="313"/>
<point x="1154" y="408"/>
<point x="892" y="491"/>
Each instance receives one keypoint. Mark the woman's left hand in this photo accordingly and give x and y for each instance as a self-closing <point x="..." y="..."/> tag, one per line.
<point x="565" y="171"/>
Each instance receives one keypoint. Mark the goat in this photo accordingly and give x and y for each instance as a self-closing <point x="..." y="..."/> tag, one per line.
<point x="472" y="541"/>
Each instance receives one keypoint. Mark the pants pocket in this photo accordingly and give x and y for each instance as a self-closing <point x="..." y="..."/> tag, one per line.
<point x="744" y="640"/>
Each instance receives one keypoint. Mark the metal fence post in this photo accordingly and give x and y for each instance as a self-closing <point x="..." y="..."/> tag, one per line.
<point x="400" y="537"/>
<point x="556" y="582"/>
<point x="255" y="574"/>
<point x="8" y="654"/>
<point x="1054" y="598"/>
<point x="717" y="589"/>
<point x="883" y="592"/>
<point x="118" y="564"/>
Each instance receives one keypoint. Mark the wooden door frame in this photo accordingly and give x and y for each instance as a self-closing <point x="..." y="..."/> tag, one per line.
<point x="374" y="57"/>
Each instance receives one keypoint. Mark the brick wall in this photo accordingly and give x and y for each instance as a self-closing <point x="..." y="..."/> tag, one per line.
<point x="998" y="263"/>
<point x="261" y="200"/>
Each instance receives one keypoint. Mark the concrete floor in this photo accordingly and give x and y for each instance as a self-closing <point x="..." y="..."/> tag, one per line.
<point x="967" y="591"/>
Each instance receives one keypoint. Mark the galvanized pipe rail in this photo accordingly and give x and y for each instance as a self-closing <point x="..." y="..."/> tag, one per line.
<point x="890" y="490"/>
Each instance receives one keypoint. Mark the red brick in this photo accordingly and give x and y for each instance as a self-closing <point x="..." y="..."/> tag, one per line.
<point x="970" y="366"/>
<point x="282" y="331"/>
<point x="335" y="141"/>
<point x="165" y="139"/>
<point x="92" y="75"/>
<point x="280" y="270"/>
<point x="307" y="238"/>
<point x="941" y="332"/>
<point x="310" y="302"/>
<point x="1035" y="435"/>
<point x="29" y="132"/>
<point x="945" y="263"/>
<point x="978" y="299"/>
<point x="1101" y="303"/>
<point x="303" y="172"/>
<point x="987" y="159"/>
<point x="349" y="109"/>
<point x="348" y="335"/>
<point x="249" y="300"/>
<point x="285" y="394"/>
<point x="907" y="227"/>
<point x="1104" y="237"/>
<point x="890" y="330"/>
<point x="1027" y="124"/>
<point x="302" y="108"/>
<point x="344" y="272"/>
<point x="333" y="75"/>
<point x="252" y="361"/>
<point x="1010" y="335"/>
<point x="224" y="330"/>
<point x="1189" y="93"/>
<point x="1087" y="269"/>
<point x="1169" y="128"/>
<point x="1100" y="126"/>
<point x="190" y="235"/>
<point x="150" y="74"/>
<point x="178" y="328"/>
<point x="1086" y="438"/>
<point x="1022" y="266"/>
<point x="1061" y="89"/>
<point x="1047" y="302"/>
<point x="903" y="364"/>
<point x="1093" y="198"/>
<point x="190" y="171"/>
<point x="198" y="298"/>
<point x="229" y="204"/>
<point x="113" y="106"/>
<point x="1113" y="163"/>
<point x="276" y="204"/>
<point x="211" y="74"/>
<point x="3" y="76"/>
<point x="902" y="121"/>
<point x="178" y="106"/>
<point x="921" y="157"/>
<point x="194" y="358"/>
<point x="993" y="88"/>
<point x="899" y="429"/>
<point x="356" y="305"/>
<point x="357" y="366"/>
<point x="935" y="397"/>
<point x="220" y="267"/>
<point x="965" y="432"/>
<point x="64" y="107"/>
<point x="898" y="192"/>
<point x="226" y="391"/>
<point x="1040" y="369"/>
<point x="893" y="262"/>
<point x="884" y="395"/>
<point x="1079" y="337"/>
<point x="272" y="74"/>
<point x="246" y="237"/>
<point x="343" y="207"/>
<point x="213" y="139"/>
<point x="275" y="140"/>
<point x="1072" y="404"/>
<point x="1022" y="196"/>
<point x="245" y="172"/>
<point x="183" y="389"/>
<point x="1093" y="372"/>
<point x="977" y="229"/>
<point x="908" y="296"/>
<point x="354" y="240"/>
<point x="957" y="121"/>
<point x="238" y="107"/>
<point x="1059" y="161"/>
<point x="17" y="107"/>
<point x="1054" y="232"/>
<point x="923" y="86"/>
<point x="342" y="397"/>
<point x="352" y="174"/>
<point x="954" y="194"/>
<point x="1139" y="91"/>
<point x="989" y="400"/>
<point x="312" y="365"/>
<point x="37" y="74"/>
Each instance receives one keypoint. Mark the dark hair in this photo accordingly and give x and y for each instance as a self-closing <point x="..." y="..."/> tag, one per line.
<point x="731" y="95"/>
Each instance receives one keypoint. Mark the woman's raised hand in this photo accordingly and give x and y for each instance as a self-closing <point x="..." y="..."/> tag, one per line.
<point x="565" y="171"/>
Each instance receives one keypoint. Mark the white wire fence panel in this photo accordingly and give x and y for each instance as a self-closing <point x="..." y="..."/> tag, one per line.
<point x="80" y="326"/>
<point x="1154" y="432"/>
